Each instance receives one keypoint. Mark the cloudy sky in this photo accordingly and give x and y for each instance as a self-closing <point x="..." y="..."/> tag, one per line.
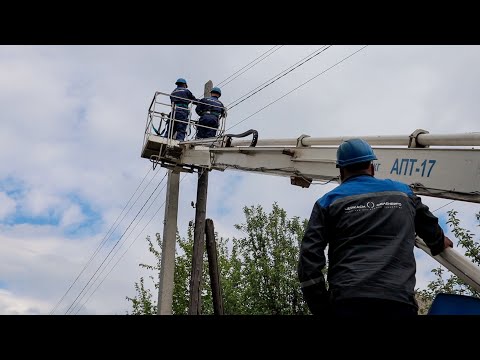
<point x="73" y="120"/>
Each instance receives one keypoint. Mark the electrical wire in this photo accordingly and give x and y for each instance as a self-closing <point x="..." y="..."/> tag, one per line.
<point x="224" y="82"/>
<point x="336" y="178"/>
<point x="104" y="240"/>
<point x="278" y="76"/>
<point x="444" y="206"/>
<point x="236" y="72"/>
<point x="118" y="249"/>
<point x="228" y="77"/>
<point x="288" y="93"/>
<point x="121" y="257"/>
<point x="115" y="253"/>
<point x="96" y="271"/>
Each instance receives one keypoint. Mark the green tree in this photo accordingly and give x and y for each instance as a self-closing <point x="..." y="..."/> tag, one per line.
<point x="268" y="266"/>
<point x="446" y="282"/>
<point x="143" y="303"/>
<point x="258" y="272"/>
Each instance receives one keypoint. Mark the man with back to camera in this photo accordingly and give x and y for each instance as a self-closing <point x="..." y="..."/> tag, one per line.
<point x="370" y="227"/>
<point x="210" y="110"/>
<point x="180" y="99"/>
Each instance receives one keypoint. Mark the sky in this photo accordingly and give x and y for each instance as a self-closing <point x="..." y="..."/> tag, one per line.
<point x="73" y="121"/>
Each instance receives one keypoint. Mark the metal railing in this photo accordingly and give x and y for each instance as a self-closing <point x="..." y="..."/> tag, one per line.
<point x="161" y="119"/>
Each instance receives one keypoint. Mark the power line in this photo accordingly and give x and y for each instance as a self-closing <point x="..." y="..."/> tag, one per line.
<point x="118" y="249"/>
<point x="221" y="82"/>
<point x="115" y="244"/>
<point x="279" y="76"/>
<point x="121" y="257"/>
<point x="258" y="62"/>
<point x="248" y="117"/>
<point x="271" y="52"/>
<point x="102" y="242"/>
<point x="443" y="206"/>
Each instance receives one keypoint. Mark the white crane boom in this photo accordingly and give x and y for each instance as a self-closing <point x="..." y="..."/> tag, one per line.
<point x="446" y="173"/>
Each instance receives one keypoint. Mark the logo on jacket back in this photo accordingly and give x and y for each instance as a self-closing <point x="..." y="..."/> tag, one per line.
<point x="374" y="206"/>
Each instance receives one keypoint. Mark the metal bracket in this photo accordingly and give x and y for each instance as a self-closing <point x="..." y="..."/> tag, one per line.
<point x="413" y="143"/>
<point x="173" y="153"/>
<point x="288" y="152"/>
<point x="300" y="140"/>
<point x="177" y="168"/>
<point x="300" y="181"/>
<point x="155" y="160"/>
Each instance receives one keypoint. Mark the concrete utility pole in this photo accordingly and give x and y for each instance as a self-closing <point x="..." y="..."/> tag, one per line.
<point x="208" y="87"/>
<point x="195" y="305"/>
<point x="167" y="267"/>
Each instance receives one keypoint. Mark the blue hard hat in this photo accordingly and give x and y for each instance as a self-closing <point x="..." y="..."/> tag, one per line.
<point x="216" y="90"/>
<point x="181" y="81"/>
<point x="354" y="151"/>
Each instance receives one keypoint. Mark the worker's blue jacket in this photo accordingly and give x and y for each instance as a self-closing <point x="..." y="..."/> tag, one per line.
<point x="210" y="110"/>
<point x="210" y="106"/>
<point x="184" y="94"/>
<point x="369" y="226"/>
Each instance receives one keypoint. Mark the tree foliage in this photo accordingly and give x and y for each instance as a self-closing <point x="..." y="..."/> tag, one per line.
<point x="446" y="282"/>
<point x="268" y="268"/>
<point x="258" y="272"/>
<point x="143" y="303"/>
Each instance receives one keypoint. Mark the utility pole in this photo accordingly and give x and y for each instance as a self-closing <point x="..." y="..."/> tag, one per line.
<point x="167" y="266"/>
<point x="208" y="87"/>
<point x="195" y="305"/>
<point x="213" y="268"/>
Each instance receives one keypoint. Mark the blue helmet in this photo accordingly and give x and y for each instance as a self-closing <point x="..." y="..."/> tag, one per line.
<point x="181" y="81"/>
<point x="216" y="90"/>
<point x="354" y="151"/>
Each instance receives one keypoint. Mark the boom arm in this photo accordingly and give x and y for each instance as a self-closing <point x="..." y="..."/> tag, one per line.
<point x="451" y="172"/>
<point x="446" y="173"/>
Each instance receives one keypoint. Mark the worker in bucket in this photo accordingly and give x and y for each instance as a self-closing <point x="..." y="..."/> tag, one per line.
<point x="180" y="99"/>
<point x="210" y="110"/>
<point x="370" y="227"/>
